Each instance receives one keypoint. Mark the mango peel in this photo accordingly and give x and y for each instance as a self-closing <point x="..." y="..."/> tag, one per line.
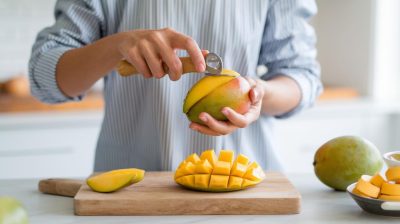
<point x="212" y="93"/>
<point x="115" y="180"/>
<point x="207" y="173"/>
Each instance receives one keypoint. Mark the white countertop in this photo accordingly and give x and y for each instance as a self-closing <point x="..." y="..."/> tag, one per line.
<point x="319" y="205"/>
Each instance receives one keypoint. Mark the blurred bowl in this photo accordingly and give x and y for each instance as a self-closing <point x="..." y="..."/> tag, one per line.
<point x="375" y="206"/>
<point x="391" y="159"/>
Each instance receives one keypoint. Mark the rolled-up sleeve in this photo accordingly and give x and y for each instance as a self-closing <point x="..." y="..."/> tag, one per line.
<point x="288" y="48"/>
<point x="78" y="23"/>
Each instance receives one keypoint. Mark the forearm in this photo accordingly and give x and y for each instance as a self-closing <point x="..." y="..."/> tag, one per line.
<point x="281" y="94"/>
<point x="78" y="69"/>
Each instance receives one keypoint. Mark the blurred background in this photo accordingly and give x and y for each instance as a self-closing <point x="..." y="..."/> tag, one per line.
<point x="359" y="52"/>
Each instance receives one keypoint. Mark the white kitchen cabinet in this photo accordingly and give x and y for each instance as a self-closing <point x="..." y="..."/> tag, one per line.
<point x="39" y="145"/>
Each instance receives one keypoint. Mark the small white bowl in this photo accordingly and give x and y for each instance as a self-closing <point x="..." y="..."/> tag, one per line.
<point x="390" y="161"/>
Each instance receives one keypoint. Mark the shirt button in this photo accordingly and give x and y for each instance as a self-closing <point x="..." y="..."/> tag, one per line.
<point x="261" y="70"/>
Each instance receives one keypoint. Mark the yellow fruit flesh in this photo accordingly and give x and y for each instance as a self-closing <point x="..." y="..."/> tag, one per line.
<point x="393" y="174"/>
<point x="205" y="86"/>
<point x="390" y="189"/>
<point x="377" y="180"/>
<point x="115" y="179"/>
<point x="224" y="174"/>
<point x="389" y="197"/>
<point x="367" y="188"/>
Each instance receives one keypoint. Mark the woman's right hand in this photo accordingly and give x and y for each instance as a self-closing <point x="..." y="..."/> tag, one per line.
<point x="147" y="50"/>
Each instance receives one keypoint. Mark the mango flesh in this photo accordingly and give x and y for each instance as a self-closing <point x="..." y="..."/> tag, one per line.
<point x="212" y="93"/>
<point x="114" y="180"/>
<point x="11" y="211"/>
<point x="206" y="173"/>
<point x="341" y="161"/>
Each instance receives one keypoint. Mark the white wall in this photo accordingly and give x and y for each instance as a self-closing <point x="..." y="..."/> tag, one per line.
<point x="20" y="21"/>
<point x="344" y="29"/>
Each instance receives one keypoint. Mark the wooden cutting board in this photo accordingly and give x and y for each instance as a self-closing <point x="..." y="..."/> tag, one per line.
<point x="158" y="194"/>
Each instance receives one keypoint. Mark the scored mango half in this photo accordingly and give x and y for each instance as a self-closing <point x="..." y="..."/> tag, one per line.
<point x="115" y="180"/>
<point x="225" y="173"/>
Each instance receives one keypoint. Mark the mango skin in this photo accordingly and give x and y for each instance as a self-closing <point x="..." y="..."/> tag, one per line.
<point x="233" y="94"/>
<point x="115" y="180"/>
<point x="343" y="160"/>
<point x="12" y="211"/>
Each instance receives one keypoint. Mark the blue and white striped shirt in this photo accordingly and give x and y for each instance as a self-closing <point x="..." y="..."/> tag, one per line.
<point x="143" y="124"/>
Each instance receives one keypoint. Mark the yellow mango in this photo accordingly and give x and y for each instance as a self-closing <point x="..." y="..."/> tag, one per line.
<point x="226" y="156"/>
<point x="210" y="174"/>
<point x="219" y="182"/>
<point x="114" y="180"/>
<point x="238" y="169"/>
<point x="205" y="86"/>
<point x="242" y="159"/>
<point x="212" y="93"/>
<point x="194" y="158"/>
<point x="209" y="155"/>
<point x="377" y="180"/>
<point x="202" y="180"/>
<point x="390" y="189"/>
<point x="235" y="182"/>
<point x="366" y="188"/>
<point x="186" y="169"/>
<point x="393" y="173"/>
<point x="222" y="168"/>
<point x="203" y="166"/>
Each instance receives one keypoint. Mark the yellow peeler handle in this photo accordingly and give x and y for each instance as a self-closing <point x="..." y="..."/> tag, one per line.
<point x="127" y="69"/>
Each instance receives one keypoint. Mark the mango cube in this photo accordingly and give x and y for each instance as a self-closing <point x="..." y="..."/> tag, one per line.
<point x="238" y="169"/>
<point x="226" y="156"/>
<point x="209" y="155"/>
<point x="203" y="166"/>
<point x="222" y="168"/>
<point x="242" y="159"/>
<point x="202" y="180"/>
<point x="194" y="158"/>
<point x="235" y="182"/>
<point x="219" y="181"/>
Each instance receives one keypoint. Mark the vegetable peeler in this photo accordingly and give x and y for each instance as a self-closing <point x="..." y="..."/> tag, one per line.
<point x="214" y="66"/>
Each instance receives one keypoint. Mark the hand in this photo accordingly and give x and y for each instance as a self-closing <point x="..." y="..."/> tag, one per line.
<point x="235" y="120"/>
<point x="147" y="50"/>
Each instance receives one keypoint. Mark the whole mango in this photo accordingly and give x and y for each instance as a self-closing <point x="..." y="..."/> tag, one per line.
<point x="343" y="160"/>
<point x="212" y="93"/>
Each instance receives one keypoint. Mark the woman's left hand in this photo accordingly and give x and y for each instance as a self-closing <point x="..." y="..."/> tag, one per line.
<point x="235" y="120"/>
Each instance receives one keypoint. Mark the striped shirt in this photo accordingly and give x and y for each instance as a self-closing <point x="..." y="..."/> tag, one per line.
<point x="143" y="124"/>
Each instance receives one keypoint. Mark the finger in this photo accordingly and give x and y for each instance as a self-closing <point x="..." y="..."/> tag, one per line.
<point x="182" y="41"/>
<point x="170" y="58"/>
<point x="235" y="118"/>
<point x="205" y="52"/>
<point x="137" y="60"/>
<point x="203" y="129"/>
<point x="256" y="94"/>
<point x="218" y="126"/>
<point x="152" y="60"/>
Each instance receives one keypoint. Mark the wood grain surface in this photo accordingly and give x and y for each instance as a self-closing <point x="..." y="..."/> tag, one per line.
<point x="158" y="194"/>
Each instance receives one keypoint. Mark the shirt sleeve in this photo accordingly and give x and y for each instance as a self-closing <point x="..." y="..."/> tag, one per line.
<point x="78" y="23"/>
<point x="288" y="48"/>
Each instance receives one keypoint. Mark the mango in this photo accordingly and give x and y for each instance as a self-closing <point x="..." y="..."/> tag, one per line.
<point x="115" y="180"/>
<point x="341" y="161"/>
<point x="218" y="175"/>
<point x="12" y="211"/>
<point x="212" y="93"/>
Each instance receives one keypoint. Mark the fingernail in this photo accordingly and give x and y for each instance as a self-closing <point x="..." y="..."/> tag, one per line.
<point x="203" y="118"/>
<point x="225" y="111"/>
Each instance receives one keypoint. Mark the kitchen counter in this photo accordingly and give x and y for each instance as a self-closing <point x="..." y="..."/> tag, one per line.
<point x="319" y="205"/>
